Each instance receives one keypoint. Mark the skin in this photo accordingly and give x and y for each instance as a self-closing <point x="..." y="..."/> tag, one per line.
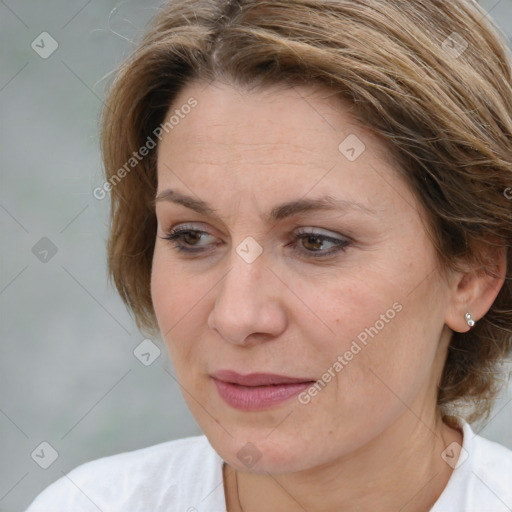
<point x="372" y="437"/>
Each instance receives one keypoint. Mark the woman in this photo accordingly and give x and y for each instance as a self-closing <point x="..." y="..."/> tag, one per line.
<point x="309" y="205"/>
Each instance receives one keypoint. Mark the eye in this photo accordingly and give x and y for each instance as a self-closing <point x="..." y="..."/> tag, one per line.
<point x="314" y="244"/>
<point x="306" y="242"/>
<point x="186" y="239"/>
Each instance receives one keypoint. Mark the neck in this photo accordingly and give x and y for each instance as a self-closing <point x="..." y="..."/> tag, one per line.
<point x="389" y="474"/>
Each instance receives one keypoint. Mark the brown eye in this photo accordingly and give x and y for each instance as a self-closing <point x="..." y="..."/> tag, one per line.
<point x="188" y="240"/>
<point x="316" y="245"/>
<point x="191" y="237"/>
<point x="312" y="243"/>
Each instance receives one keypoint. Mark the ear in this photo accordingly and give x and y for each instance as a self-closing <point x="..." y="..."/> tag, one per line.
<point x="474" y="290"/>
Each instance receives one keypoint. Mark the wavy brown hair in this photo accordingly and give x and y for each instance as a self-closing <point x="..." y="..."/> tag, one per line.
<point x="432" y="78"/>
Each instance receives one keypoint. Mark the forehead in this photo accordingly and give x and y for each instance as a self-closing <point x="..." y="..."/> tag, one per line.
<point x="278" y="140"/>
<point x="232" y="122"/>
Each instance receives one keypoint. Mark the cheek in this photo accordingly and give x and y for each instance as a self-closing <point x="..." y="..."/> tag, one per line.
<point x="382" y="342"/>
<point x="164" y="287"/>
<point x="175" y="299"/>
<point x="399" y="361"/>
<point x="357" y="305"/>
<point x="171" y="289"/>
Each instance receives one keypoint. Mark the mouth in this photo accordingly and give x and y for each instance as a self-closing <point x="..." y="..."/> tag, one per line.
<point x="257" y="391"/>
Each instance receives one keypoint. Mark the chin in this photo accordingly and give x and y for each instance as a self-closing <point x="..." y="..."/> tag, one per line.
<point x="265" y="455"/>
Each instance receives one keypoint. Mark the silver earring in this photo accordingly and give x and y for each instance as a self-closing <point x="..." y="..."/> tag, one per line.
<point x="469" y="320"/>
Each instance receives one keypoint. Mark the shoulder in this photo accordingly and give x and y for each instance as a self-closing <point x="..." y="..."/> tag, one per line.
<point x="492" y="471"/>
<point x="170" y="473"/>
<point x="482" y="478"/>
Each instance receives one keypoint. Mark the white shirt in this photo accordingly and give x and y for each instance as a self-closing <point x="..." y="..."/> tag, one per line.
<point x="185" y="475"/>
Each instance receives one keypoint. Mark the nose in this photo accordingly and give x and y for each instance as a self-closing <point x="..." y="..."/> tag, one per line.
<point x="248" y="307"/>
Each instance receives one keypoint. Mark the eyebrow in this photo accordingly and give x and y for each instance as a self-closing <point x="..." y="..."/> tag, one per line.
<point x="279" y="212"/>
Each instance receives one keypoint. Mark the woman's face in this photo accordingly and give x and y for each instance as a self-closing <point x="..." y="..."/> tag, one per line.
<point x="303" y="256"/>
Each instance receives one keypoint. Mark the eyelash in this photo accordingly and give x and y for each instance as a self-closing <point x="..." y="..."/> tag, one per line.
<point x="177" y="234"/>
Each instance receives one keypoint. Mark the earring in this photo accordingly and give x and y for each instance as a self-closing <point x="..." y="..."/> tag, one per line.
<point x="469" y="320"/>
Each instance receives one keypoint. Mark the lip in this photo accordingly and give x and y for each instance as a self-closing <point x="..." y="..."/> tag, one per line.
<point x="257" y="391"/>
<point x="256" y="379"/>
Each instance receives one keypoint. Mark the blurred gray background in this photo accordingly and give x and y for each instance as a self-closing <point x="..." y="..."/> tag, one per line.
<point x="68" y="373"/>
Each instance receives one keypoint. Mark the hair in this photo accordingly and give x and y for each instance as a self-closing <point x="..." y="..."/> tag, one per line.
<point x="431" y="78"/>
